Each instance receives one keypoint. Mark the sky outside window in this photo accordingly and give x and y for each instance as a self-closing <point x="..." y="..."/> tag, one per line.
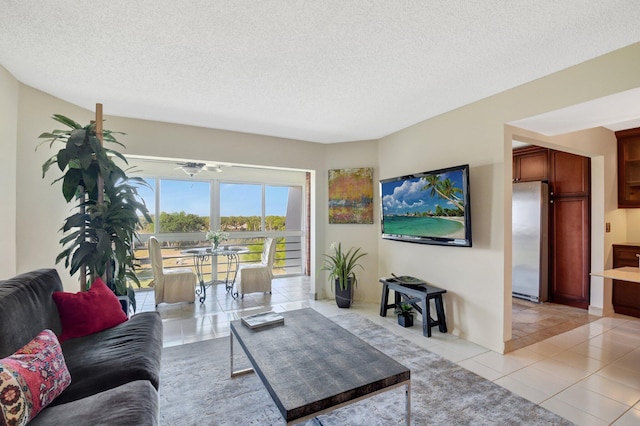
<point x="276" y="198"/>
<point x="184" y="196"/>
<point x="147" y="194"/>
<point x="240" y="199"/>
<point x="235" y="199"/>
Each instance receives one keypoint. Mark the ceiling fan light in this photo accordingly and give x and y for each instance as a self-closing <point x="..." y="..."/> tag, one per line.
<point x="191" y="170"/>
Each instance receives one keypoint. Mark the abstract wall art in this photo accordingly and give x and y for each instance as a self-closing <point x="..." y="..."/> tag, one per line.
<point x="351" y="196"/>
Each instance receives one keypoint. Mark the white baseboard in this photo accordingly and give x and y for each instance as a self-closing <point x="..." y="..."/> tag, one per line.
<point x="593" y="310"/>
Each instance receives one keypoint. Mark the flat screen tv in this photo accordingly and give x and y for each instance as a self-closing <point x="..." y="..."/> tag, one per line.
<point x="429" y="208"/>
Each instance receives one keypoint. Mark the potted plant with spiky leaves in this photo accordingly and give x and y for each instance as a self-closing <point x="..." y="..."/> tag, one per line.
<point x="341" y="266"/>
<point x="99" y="237"/>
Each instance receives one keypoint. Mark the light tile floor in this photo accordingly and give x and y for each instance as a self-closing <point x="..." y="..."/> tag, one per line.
<point x="589" y="375"/>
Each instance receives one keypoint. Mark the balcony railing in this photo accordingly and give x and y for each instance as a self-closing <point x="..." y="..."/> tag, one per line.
<point x="288" y="257"/>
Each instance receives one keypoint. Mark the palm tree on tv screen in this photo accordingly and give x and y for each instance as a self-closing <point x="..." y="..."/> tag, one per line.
<point x="445" y="189"/>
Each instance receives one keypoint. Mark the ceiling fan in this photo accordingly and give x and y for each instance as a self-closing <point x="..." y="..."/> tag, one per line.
<point x="193" y="168"/>
<point x="190" y="167"/>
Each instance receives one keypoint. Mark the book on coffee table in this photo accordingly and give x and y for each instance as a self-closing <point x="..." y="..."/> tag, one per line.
<point x="263" y="319"/>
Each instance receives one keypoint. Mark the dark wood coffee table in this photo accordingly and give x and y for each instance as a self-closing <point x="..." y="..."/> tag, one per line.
<point x="310" y="365"/>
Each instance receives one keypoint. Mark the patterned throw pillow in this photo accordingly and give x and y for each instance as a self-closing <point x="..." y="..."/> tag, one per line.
<point x="31" y="378"/>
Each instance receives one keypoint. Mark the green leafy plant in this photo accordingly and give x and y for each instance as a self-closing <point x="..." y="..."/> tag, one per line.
<point x="341" y="265"/>
<point x="404" y="309"/>
<point x="100" y="234"/>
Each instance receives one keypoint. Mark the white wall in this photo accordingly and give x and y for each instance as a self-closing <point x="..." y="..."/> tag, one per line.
<point x="633" y="221"/>
<point x="8" y="135"/>
<point x="473" y="277"/>
<point x="40" y="207"/>
<point x="364" y="236"/>
<point x="38" y="226"/>
<point x="477" y="279"/>
<point x="171" y="140"/>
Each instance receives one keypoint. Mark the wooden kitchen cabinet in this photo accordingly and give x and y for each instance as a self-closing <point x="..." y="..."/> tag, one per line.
<point x="570" y="233"/>
<point x="628" y="168"/>
<point x="530" y="164"/>
<point x="570" y="175"/>
<point x="626" y="295"/>
<point x="569" y="178"/>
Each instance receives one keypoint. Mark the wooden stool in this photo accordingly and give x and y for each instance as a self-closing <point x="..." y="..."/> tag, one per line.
<point x="417" y="296"/>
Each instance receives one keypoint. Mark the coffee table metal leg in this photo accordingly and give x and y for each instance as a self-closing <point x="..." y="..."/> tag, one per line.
<point x="408" y="395"/>
<point x="239" y="372"/>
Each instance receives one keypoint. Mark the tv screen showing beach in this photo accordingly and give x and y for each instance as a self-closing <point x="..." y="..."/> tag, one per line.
<point x="428" y="207"/>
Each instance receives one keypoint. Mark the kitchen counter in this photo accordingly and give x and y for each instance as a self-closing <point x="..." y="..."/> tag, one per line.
<point x="626" y="273"/>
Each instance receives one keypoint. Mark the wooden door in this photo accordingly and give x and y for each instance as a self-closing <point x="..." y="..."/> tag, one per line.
<point x="570" y="229"/>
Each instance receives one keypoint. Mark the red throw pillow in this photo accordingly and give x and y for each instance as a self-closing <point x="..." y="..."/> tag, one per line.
<point x="31" y="378"/>
<point x="88" y="312"/>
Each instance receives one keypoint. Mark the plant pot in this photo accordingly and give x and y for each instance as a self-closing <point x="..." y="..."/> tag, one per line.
<point x="124" y="303"/>
<point x="405" y="320"/>
<point x="343" y="297"/>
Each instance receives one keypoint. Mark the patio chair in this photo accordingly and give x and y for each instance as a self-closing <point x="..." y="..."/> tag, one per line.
<point x="257" y="277"/>
<point x="170" y="285"/>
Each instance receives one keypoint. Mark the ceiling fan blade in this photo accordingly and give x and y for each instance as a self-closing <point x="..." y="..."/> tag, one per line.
<point x="213" y="168"/>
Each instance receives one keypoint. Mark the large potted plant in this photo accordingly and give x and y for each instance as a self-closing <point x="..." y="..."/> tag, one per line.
<point x="341" y="266"/>
<point x="99" y="236"/>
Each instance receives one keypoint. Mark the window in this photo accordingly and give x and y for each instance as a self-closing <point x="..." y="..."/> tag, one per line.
<point x="275" y="202"/>
<point x="240" y="207"/>
<point x="184" y="206"/>
<point x="148" y="195"/>
<point x="187" y="209"/>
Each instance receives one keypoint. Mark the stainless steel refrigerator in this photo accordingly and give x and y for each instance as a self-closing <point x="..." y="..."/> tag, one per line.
<point x="530" y="241"/>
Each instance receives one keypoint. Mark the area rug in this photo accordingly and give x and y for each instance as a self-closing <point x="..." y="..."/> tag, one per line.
<point x="195" y="389"/>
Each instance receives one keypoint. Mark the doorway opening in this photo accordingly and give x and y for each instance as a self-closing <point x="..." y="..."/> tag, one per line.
<point x="550" y="258"/>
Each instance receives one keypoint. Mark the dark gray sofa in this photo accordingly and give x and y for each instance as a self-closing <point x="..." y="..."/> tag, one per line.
<point x="115" y="373"/>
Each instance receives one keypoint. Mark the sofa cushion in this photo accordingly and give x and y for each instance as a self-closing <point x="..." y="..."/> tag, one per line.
<point x="134" y="403"/>
<point x="31" y="378"/>
<point x="27" y="308"/>
<point x="105" y="360"/>
<point x="88" y="312"/>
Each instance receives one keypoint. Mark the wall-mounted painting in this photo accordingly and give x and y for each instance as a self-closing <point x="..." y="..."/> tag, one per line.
<point x="351" y="195"/>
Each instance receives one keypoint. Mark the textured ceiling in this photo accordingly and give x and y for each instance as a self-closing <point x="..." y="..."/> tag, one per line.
<point x="322" y="71"/>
